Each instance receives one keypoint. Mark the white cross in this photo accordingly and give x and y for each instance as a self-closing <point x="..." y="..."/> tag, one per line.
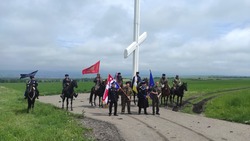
<point x="134" y="47"/>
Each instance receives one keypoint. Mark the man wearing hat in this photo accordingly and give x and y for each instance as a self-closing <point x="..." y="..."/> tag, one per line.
<point x="142" y="98"/>
<point x="113" y="98"/>
<point x="65" y="83"/>
<point x="164" y="82"/>
<point x="176" y="82"/>
<point x="32" y="82"/>
<point x="126" y="97"/>
<point x="97" y="81"/>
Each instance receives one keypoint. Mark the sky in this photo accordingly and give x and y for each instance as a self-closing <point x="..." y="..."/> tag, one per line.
<point x="185" y="37"/>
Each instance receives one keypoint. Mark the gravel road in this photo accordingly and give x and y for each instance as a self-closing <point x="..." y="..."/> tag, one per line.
<point x="168" y="126"/>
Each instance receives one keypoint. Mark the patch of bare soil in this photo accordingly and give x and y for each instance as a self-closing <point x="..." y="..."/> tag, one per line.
<point x="102" y="131"/>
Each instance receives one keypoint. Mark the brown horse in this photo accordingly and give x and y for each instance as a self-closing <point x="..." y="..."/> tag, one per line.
<point x="97" y="92"/>
<point x="68" y="93"/>
<point x="179" y="92"/>
<point x="31" y="97"/>
<point x="165" y="96"/>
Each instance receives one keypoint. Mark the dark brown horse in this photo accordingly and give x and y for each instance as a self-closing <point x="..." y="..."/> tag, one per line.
<point x="97" y="92"/>
<point x="31" y="97"/>
<point x="165" y="96"/>
<point x="68" y="93"/>
<point x="179" y="92"/>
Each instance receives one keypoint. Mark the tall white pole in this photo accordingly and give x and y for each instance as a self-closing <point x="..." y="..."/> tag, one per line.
<point x="136" y="36"/>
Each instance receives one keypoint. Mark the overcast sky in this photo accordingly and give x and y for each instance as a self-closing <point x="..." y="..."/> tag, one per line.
<point x="185" y="37"/>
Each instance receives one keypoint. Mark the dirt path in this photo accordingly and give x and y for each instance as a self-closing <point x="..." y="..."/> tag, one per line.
<point x="169" y="126"/>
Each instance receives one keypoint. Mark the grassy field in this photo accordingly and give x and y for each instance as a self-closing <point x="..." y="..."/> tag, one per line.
<point x="230" y="98"/>
<point x="234" y="106"/>
<point x="46" y="122"/>
<point x="230" y="102"/>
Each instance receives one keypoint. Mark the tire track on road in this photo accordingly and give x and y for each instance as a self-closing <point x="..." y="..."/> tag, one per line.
<point x="150" y="127"/>
<point x="209" y="139"/>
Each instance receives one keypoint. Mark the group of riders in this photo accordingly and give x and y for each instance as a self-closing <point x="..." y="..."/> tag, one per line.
<point x="32" y="83"/>
<point x="142" y="90"/>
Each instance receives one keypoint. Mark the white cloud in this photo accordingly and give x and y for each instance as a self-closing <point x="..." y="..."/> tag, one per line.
<point x="184" y="37"/>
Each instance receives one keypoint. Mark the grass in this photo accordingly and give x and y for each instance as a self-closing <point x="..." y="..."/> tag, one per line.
<point x="231" y="107"/>
<point x="46" y="122"/>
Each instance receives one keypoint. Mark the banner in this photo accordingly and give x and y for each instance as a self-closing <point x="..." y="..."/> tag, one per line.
<point x="151" y="80"/>
<point x="28" y="75"/>
<point x="92" y="69"/>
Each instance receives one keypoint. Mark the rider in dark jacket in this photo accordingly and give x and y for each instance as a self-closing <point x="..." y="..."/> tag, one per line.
<point x="32" y="82"/>
<point x="65" y="83"/>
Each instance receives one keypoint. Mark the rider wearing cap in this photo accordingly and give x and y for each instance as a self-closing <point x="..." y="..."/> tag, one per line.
<point x="32" y="82"/>
<point x="66" y="82"/>
<point x="176" y="82"/>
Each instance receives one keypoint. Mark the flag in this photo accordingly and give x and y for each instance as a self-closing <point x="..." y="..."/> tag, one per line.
<point x="110" y="80"/>
<point x="151" y="80"/>
<point x="135" y="85"/>
<point x="28" y="75"/>
<point x="106" y="92"/>
<point x="92" y="69"/>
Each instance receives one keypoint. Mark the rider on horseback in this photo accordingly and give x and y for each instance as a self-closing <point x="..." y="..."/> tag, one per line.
<point x="176" y="82"/>
<point x="66" y="82"/>
<point x="97" y="81"/>
<point x="164" y="82"/>
<point x="32" y="82"/>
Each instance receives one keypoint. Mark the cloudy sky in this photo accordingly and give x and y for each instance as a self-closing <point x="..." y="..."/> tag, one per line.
<point x="185" y="37"/>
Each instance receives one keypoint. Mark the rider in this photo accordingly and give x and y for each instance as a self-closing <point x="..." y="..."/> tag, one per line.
<point x="176" y="82"/>
<point x="32" y="82"/>
<point x="119" y="79"/>
<point x="164" y="81"/>
<point x="97" y="81"/>
<point x="66" y="82"/>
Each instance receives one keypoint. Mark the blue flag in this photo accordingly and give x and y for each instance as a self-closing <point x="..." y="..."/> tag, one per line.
<point x="28" y="75"/>
<point x="151" y="80"/>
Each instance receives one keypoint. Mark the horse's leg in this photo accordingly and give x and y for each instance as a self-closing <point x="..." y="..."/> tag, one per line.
<point x="167" y="100"/>
<point x="181" y="101"/>
<point x="67" y="103"/>
<point x="29" y="105"/>
<point x="63" y="99"/>
<point x="91" y="98"/>
<point x="95" y="99"/>
<point x="99" y="101"/>
<point x="178" y="98"/>
<point x="71" y="103"/>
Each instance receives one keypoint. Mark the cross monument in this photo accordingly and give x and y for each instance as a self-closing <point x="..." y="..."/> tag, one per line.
<point x="134" y="47"/>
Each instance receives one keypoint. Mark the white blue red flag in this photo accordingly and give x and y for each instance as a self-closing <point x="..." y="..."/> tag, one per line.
<point x="110" y="80"/>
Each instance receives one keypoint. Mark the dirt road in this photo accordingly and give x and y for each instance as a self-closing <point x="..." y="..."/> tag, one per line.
<point x="168" y="126"/>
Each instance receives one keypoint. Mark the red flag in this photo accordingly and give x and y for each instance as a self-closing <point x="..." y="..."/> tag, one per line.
<point x="105" y="95"/>
<point x="92" y="69"/>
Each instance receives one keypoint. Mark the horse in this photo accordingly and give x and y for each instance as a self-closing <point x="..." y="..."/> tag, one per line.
<point x="97" y="92"/>
<point x="165" y="96"/>
<point x="68" y="92"/>
<point x="179" y="92"/>
<point x="31" y="96"/>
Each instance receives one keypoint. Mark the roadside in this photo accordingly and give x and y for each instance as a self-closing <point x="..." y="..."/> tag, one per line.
<point x="168" y="126"/>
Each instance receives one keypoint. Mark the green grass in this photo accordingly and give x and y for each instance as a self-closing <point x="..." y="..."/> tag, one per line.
<point x="232" y="107"/>
<point x="46" y="122"/>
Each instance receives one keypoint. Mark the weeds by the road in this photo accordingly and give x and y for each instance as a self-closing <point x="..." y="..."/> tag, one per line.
<point x="45" y="122"/>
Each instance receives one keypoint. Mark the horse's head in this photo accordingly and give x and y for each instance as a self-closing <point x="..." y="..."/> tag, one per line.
<point x="184" y="85"/>
<point x="74" y="83"/>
